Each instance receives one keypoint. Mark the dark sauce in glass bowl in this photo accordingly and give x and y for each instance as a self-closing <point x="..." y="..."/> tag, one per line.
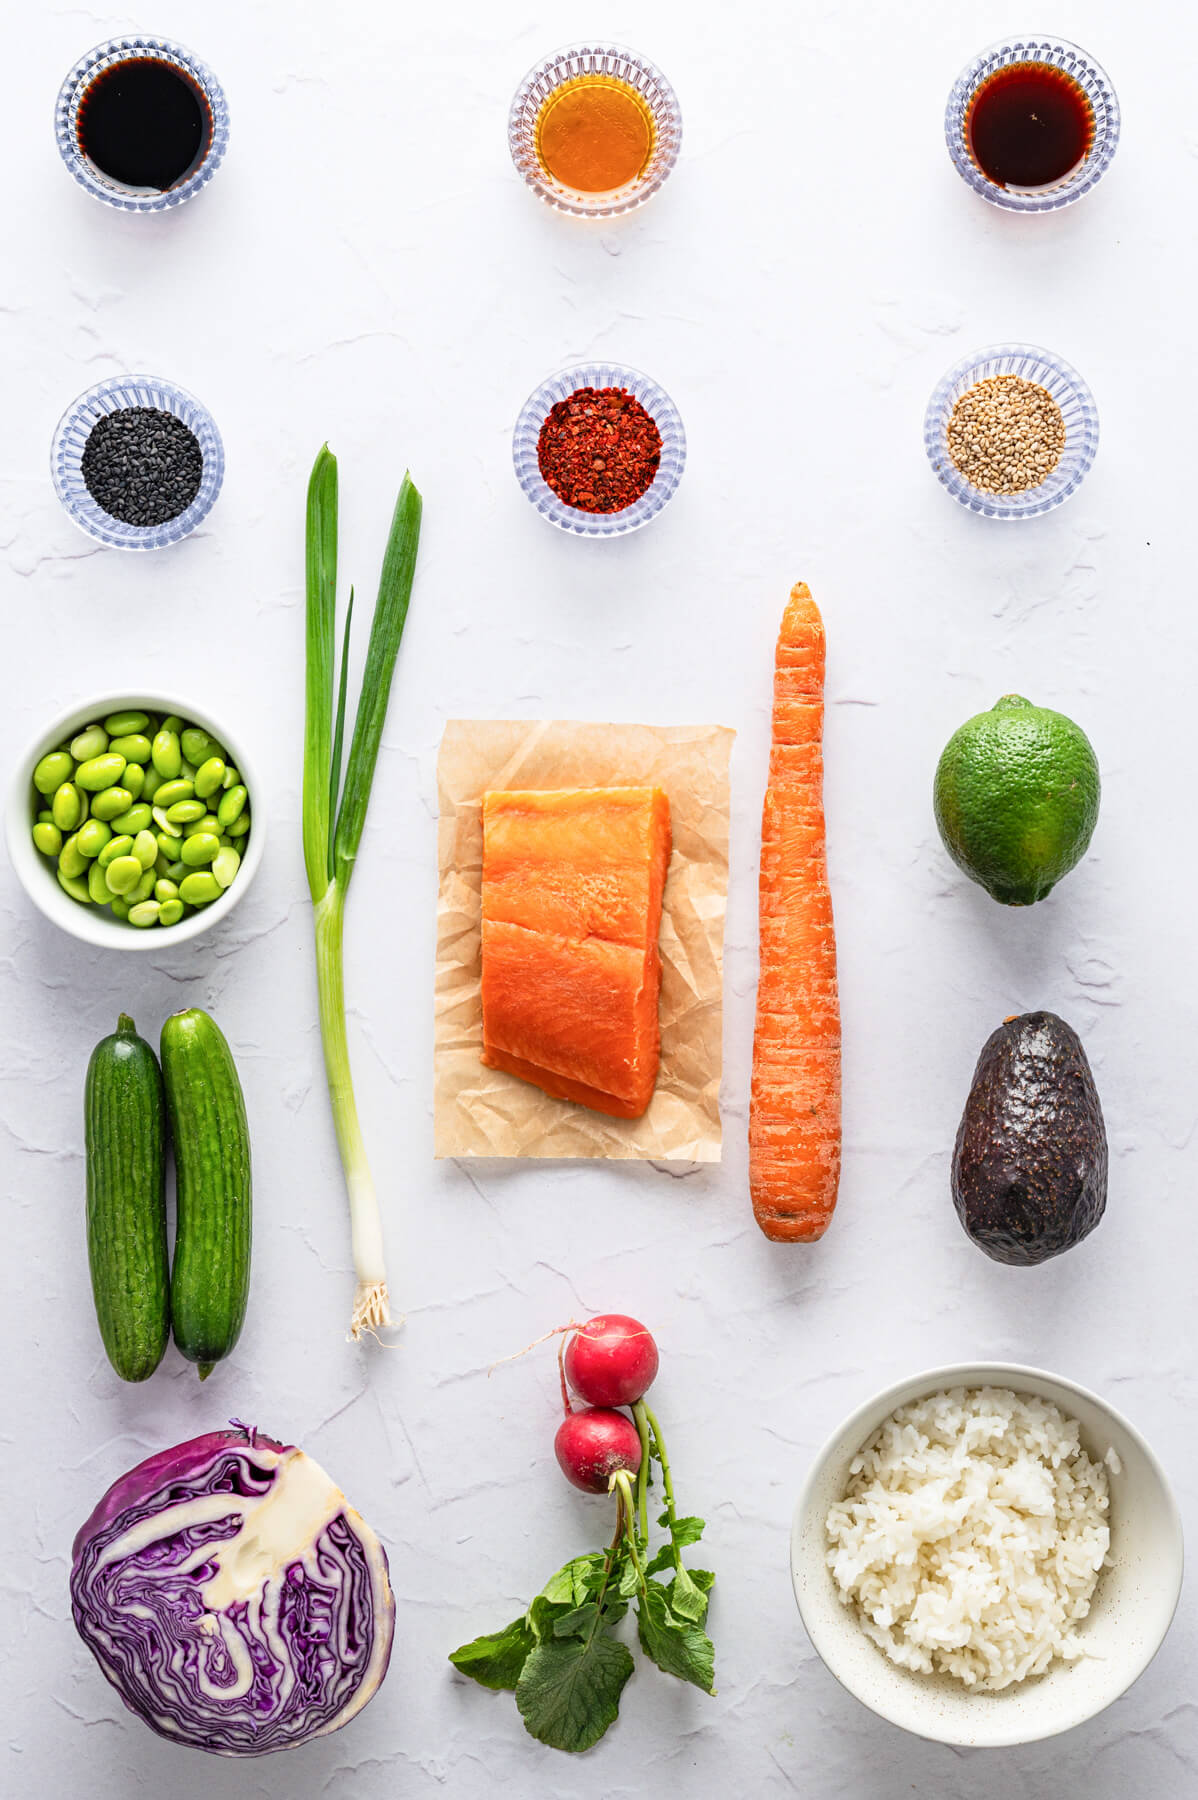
<point x="1029" y="125"/>
<point x="144" y="124"/>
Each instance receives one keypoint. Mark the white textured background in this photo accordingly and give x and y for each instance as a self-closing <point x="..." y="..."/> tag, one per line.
<point x="367" y="267"/>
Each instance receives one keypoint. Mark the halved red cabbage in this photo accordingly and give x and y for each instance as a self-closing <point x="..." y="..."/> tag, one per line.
<point x="233" y="1598"/>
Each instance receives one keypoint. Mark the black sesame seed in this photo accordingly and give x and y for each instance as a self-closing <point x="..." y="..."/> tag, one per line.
<point x="143" y="466"/>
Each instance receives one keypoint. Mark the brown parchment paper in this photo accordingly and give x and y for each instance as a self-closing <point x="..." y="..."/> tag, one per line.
<point x="486" y="1112"/>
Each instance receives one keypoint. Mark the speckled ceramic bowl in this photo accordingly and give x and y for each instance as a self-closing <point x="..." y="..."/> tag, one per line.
<point x="95" y="924"/>
<point x="1133" y="1604"/>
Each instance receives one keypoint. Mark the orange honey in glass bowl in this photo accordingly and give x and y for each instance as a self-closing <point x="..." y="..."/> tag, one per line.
<point x="595" y="134"/>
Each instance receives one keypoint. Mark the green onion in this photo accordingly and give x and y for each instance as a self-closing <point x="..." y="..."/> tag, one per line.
<point x="333" y="824"/>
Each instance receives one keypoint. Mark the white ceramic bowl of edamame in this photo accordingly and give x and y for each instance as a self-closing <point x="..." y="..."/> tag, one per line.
<point x="37" y="868"/>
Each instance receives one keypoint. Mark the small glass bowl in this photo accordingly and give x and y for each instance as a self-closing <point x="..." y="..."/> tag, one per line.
<point x="1077" y="409"/>
<point x="567" y="65"/>
<point x="74" y="429"/>
<point x="1095" y="83"/>
<point x="66" y="111"/>
<point x="661" y="410"/>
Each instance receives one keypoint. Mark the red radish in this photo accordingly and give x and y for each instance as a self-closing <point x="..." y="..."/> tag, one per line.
<point x="590" y="1446"/>
<point x="611" y="1360"/>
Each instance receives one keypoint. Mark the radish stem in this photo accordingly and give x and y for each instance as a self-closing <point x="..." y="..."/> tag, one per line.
<point x="666" y="1482"/>
<point x="642" y="1474"/>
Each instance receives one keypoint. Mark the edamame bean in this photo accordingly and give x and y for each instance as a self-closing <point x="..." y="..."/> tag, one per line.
<point x="133" y="747"/>
<point x="209" y="776"/>
<point x="145" y="849"/>
<point x="171" y="791"/>
<point x="166" y="754"/>
<point x="72" y="861"/>
<point x="200" y="849"/>
<point x="117" y="846"/>
<point x="232" y="805"/>
<point x="151" y="783"/>
<point x="118" y="908"/>
<point x="123" y="874"/>
<point x="184" y="811"/>
<point x="55" y="768"/>
<point x="47" y="838"/>
<point x="164" y="824"/>
<point x="144" y="913"/>
<point x="67" y="807"/>
<point x="187" y="770"/>
<point x="198" y="746"/>
<point x="99" y="772"/>
<point x="44" y="817"/>
<point x="166" y="890"/>
<point x="225" y="865"/>
<point x="92" y="837"/>
<point x="97" y="885"/>
<point x="136" y="819"/>
<point x="168" y="846"/>
<point x="122" y="723"/>
<point x="240" y="826"/>
<point x="73" y="886"/>
<point x="170" y="912"/>
<point x="91" y="741"/>
<point x="199" y="889"/>
<point x="175" y="871"/>
<point x="209" y="822"/>
<point x="232" y="778"/>
<point x="134" y="779"/>
<point x="143" y="890"/>
<point x="111" y="802"/>
<point x="172" y="722"/>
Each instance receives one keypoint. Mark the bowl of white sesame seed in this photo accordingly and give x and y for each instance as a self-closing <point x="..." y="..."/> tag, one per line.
<point x="1011" y="431"/>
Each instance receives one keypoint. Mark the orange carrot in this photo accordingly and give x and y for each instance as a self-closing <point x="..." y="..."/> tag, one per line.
<point x="794" y="1114"/>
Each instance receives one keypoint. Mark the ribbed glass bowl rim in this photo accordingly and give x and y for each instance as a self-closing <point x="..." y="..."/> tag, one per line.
<point x="72" y="433"/>
<point x="106" y="56"/>
<point x="91" y="924"/>
<point x="1063" y="55"/>
<point x="657" y="404"/>
<point x="549" y="74"/>
<point x="1034" y="364"/>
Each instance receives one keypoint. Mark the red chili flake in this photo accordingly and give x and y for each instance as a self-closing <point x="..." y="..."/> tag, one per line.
<point x="599" y="450"/>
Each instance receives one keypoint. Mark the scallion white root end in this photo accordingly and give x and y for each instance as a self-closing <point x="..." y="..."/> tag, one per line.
<point x="372" y="1310"/>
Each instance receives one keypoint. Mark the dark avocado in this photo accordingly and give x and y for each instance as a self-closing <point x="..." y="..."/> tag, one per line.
<point x="1030" y="1163"/>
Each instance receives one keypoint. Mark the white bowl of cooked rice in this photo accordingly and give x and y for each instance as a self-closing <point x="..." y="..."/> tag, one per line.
<point x="986" y="1554"/>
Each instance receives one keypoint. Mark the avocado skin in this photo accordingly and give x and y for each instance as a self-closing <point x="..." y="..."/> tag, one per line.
<point x="1030" y="1161"/>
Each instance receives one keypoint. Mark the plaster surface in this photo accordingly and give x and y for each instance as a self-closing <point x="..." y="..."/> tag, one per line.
<point x="367" y="268"/>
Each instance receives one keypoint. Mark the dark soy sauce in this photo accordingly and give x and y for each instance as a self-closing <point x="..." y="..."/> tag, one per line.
<point x="1029" y="125"/>
<point x="144" y="124"/>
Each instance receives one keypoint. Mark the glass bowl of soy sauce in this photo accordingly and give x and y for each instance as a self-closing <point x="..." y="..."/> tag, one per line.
<point x="1032" y="124"/>
<point x="141" y="123"/>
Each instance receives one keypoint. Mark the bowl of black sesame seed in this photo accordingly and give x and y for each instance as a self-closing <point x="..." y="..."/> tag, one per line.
<point x="1011" y="431"/>
<point x="137" y="462"/>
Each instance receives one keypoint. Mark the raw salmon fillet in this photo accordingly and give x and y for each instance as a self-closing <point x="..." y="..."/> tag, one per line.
<point x="794" y="1112"/>
<point x="571" y="971"/>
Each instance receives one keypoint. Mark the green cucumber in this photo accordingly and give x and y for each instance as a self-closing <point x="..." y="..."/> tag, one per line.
<point x="210" y="1276"/>
<point x="125" y="1139"/>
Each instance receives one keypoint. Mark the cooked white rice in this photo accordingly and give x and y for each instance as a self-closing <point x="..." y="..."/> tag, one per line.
<point x="971" y="1536"/>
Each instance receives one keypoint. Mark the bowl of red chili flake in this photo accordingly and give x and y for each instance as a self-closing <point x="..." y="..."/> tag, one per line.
<point x="599" y="449"/>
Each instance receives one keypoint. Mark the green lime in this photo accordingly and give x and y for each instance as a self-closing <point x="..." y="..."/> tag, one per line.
<point x="1016" y="799"/>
